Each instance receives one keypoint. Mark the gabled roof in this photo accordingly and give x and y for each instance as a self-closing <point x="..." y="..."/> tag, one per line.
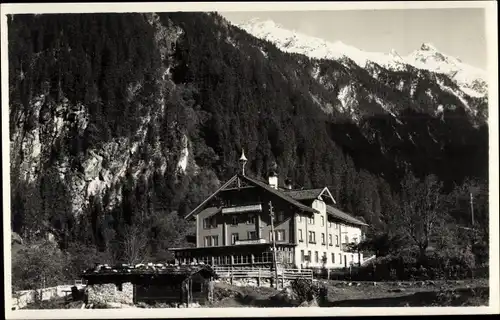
<point x="200" y="206"/>
<point x="256" y="183"/>
<point x="279" y="194"/>
<point x="343" y="216"/>
<point x="164" y="270"/>
<point x="210" y="211"/>
<point x="309" y="194"/>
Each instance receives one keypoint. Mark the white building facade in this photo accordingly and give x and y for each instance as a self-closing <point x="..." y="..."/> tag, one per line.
<point x="322" y="240"/>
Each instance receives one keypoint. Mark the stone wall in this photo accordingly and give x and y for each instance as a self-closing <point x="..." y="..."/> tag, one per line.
<point x="102" y="294"/>
<point x="21" y="299"/>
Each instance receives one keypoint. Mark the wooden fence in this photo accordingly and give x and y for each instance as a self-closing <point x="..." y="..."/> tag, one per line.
<point x="263" y="273"/>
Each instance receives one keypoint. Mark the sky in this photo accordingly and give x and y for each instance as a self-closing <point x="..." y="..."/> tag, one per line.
<point x="459" y="32"/>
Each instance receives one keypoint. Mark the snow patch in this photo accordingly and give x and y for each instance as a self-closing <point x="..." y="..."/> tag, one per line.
<point x="411" y="139"/>
<point x="381" y="103"/>
<point x="263" y="53"/>
<point x="398" y="135"/>
<point x="431" y="135"/>
<point x="401" y="85"/>
<point x="471" y="92"/>
<point x="346" y="99"/>
<point x="315" y="72"/>
<point x="456" y="94"/>
<point x="231" y="42"/>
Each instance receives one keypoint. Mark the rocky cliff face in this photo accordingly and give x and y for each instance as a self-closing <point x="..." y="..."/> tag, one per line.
<point x="40" y="128"/>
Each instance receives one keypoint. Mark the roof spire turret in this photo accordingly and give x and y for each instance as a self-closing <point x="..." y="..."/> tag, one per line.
<point x="243" y="160"/>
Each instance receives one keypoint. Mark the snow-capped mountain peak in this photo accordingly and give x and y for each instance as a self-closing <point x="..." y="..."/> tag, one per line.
<point x="470" y="79"/>
<point x="428" y="47"/>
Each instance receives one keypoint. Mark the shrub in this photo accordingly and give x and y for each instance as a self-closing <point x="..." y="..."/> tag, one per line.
<point x="38" y="265"/>
<point x="305" y="289"/>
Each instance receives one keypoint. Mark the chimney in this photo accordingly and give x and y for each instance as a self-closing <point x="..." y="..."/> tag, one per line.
<point x="273" y="179"/>
<point x="288" y="184"/>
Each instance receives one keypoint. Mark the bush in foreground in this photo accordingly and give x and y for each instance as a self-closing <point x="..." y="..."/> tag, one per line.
<point x="307" y="290"/>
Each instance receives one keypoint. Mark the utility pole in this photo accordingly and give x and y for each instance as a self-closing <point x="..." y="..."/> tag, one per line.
<point x="472" y="208"/>
<point x="273" y="239"/>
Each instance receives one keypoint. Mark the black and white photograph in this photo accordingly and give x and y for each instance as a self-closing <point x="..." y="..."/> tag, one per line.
<point x="193" y="159"/>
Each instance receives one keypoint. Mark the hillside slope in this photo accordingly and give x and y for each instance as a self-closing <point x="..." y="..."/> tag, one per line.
<point x="129" y="119"/>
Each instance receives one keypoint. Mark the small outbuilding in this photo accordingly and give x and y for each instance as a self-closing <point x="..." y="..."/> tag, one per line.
<point x="150" y="283"/>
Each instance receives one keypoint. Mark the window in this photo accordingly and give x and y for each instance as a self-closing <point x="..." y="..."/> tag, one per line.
<point x="322" y="221"/>
<point x="309" y="257"/>
<point x="346" y="239"/>
<point x="333" y="257"/>
<point x="235" y="237"/>
<point x="280" y="217"/>
<point x="251" y="219"/>
<point x="311" y="219"/>
<point x="215" y="241"/>
<point x="234" y="220"/>
<point x="302" y="256"/>
<point x="322" y="238"/>
<point x="300" y="218"/>
<point x="312" y="237"/>
<point x="336" y="241"/>
<point x="301" y="239"/>
<point x="209" y="222"/>
<point x="336" y="225"/>
<point x="329" y="224"/>
<point x="340" y="258"/>
<point x="330" y="240"/>
<point x="280" y="235"/>
<point x="324" y="258"/>
<point x="316" y="257"/>
<point x="208" y="241"/>
<point x="251" y="235"/>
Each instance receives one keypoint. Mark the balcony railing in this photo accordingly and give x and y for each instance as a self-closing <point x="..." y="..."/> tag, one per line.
<point x="250" y="241"/>
<point x="242" y="208"/>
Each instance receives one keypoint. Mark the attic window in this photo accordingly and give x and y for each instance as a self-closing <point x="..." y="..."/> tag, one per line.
<point x="280" y="217"/>
<point x="234" y="220"/>
<point x="251" y="219"/>
<point x="210" y="223"/>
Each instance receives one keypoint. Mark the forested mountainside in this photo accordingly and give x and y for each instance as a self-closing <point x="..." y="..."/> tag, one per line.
<point x="121" y="124"/>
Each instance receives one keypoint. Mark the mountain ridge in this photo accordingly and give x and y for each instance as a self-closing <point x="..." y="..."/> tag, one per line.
<point x="427" y="57"/>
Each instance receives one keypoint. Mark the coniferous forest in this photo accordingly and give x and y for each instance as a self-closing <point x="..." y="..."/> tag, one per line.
<point x="120" y="124"/>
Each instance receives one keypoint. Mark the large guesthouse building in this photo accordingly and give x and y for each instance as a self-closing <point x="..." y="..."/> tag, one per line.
<point x="234" y="226"/>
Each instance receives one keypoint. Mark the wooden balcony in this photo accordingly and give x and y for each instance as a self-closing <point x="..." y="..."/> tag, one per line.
<point x="250" y="241"/>
<point x="242" y="208"/>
